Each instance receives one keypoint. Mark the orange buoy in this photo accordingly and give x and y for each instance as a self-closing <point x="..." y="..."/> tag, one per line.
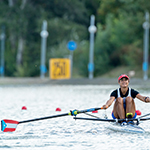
<point x="96" y="111"/>
<point x="58" y="109"/>
<point x="24" y="108"/>
<point x="138" y="112"/>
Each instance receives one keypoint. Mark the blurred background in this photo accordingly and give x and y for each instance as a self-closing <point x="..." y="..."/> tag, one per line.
<point x="118" y="44"/>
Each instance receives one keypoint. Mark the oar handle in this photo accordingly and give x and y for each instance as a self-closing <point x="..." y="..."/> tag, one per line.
<point x="75" y="112"/>
<point x="89" y="110"/>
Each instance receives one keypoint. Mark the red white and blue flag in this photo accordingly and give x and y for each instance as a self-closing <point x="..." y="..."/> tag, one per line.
<point x="8" y="125"/>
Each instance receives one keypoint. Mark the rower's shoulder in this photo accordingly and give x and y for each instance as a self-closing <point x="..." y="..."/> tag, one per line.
<point x="134" y="90"/>
<point x="114" y="93"/>
<point x="115" y="90"/>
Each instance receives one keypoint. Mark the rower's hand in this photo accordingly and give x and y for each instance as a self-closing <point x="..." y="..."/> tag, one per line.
<point x="104" y="106"/>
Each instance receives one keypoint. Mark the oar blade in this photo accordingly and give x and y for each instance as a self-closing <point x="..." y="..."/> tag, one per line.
<point x="8" y="125"/>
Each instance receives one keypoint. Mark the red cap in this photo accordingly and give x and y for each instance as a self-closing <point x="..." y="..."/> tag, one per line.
<point x="123" y="76"/>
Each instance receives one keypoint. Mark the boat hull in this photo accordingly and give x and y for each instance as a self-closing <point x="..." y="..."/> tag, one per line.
<point x="126" y="128"/>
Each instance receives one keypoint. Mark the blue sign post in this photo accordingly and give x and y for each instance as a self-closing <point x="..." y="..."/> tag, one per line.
<point x="146" y="46"/>
<point x="71" y="46"/>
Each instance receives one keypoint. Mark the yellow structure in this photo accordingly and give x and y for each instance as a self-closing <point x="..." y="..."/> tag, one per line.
<point x="60" y="68"/>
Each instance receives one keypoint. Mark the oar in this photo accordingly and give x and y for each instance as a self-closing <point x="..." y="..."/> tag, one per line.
<point x="11" y="125"/>
<point x="144" y="115"/>
<point x="112" y="120"/>
<point x="91" y="115"/>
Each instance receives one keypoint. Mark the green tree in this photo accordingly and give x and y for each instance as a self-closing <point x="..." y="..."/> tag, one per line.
<point x="121" y="27"/>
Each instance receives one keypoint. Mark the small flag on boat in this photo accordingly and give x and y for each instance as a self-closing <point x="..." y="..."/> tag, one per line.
<point x="8" y="125"/>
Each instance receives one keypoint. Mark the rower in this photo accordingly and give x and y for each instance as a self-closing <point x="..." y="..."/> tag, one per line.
<point x="123" y="98"/>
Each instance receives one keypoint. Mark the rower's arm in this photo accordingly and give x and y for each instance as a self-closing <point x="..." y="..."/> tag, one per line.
<point x="109" y="102"/>
<point x="143" y="98"/>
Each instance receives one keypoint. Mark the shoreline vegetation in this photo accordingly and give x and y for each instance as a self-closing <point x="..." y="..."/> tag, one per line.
<point x="109" y="78"/>
<point x="118" y="40"/>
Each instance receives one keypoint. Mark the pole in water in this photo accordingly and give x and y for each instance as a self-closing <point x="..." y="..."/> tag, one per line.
<point x="146" y="46"/>
<point x="92" y="29"/>
<point x="44" y="35"/>
<point x="2" y="37"/>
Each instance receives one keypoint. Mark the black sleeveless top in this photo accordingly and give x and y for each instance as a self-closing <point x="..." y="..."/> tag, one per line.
<point x="115" y="93"/>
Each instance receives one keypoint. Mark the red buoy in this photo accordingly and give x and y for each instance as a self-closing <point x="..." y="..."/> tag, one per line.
<point x="138" y="112"/>
<point x="96" y="111"/>
<point x="24" y="108"/>
<point x="58" y="109"/>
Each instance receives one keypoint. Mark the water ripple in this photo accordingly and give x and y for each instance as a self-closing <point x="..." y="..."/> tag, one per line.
<point x="64" y="133"/>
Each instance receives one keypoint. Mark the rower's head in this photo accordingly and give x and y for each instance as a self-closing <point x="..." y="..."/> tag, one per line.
<point x="123" y="77"/>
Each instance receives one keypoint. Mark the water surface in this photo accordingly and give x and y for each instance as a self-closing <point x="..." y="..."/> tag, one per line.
<point x="65" y="133"/>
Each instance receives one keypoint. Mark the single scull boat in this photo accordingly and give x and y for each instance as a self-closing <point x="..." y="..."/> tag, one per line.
<point x="116" y="126"/>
